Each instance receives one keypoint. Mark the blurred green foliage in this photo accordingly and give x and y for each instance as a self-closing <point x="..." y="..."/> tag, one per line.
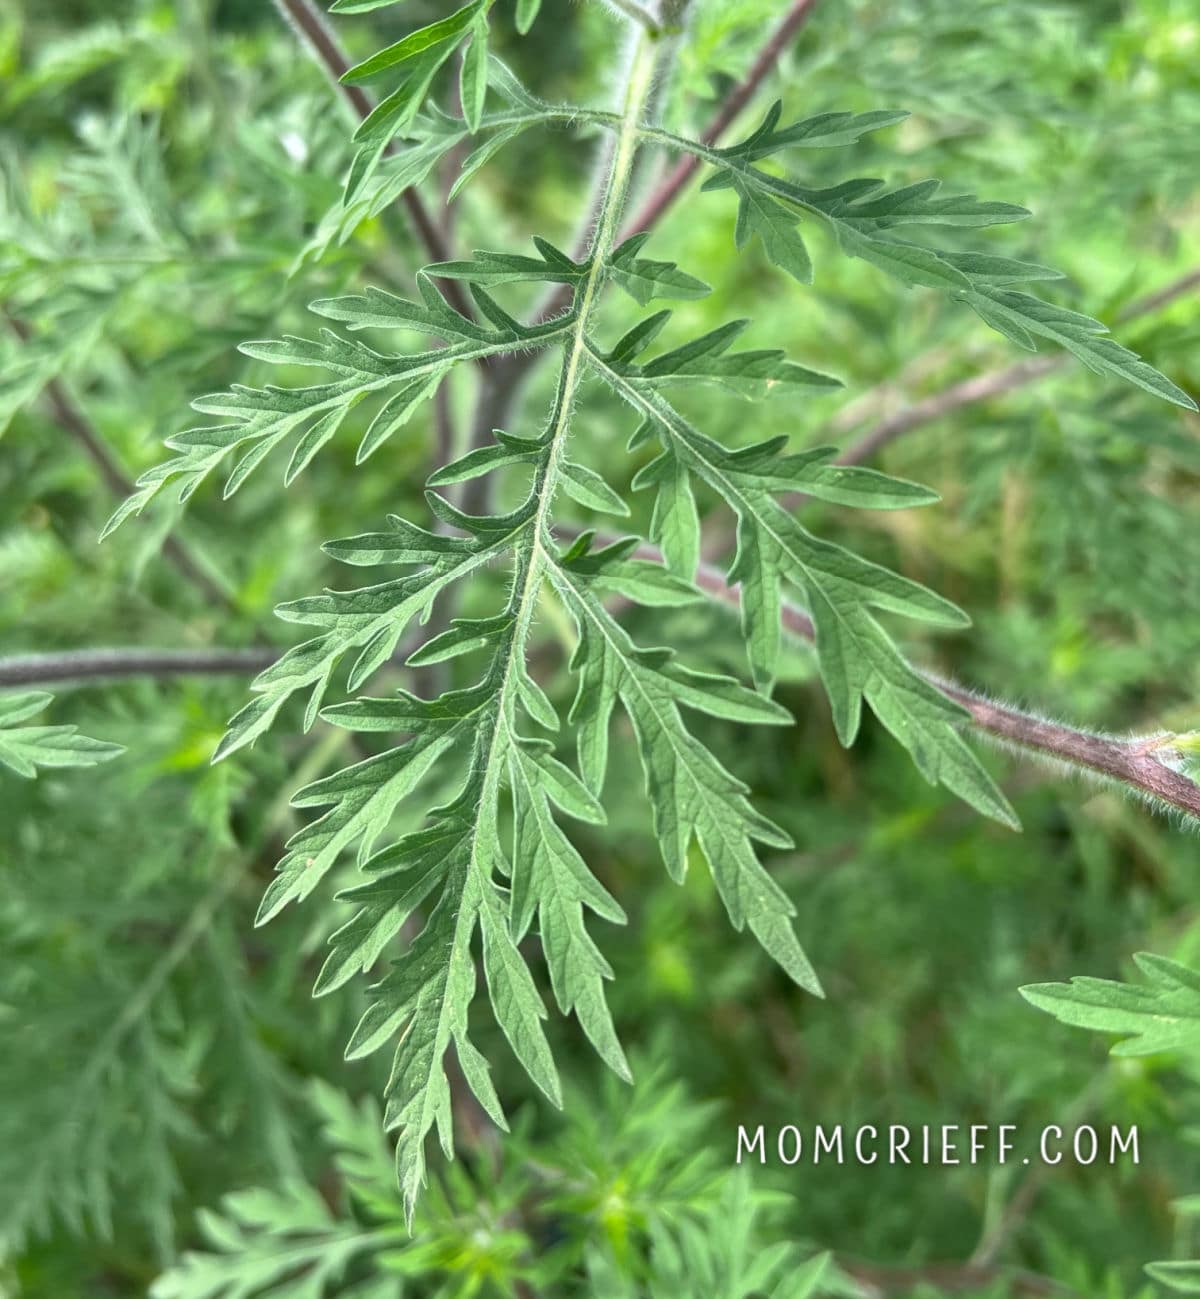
<point x="164" y="167"/>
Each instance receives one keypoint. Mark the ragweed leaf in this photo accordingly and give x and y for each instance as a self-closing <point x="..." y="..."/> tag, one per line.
<point x="278" y="1244"/>
<point x="502" y="857"/>
<point x="264" y="418"/>
<point x="417" y="44"/>
<point x="862" y="213"/>
<point x="707" y="360"/>
<point x="824" y="131"/>
<point x="760" y="214"/>
<point x="527" y="12"/>
<point x="551" y="880"/>
<point x="691" y="794"/>
<point x="1164" y="1015"/>
<point x="857" y="658"/>
<point x="644" y="279"/>
<point x="552" y="266"/>
<point x="24" y="749"/>
<point x="417" y="59"/>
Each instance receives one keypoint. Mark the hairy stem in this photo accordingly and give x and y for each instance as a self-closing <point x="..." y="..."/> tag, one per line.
<point x="495" y="401"/>
<point x="112" y="664"/>
<point x="637" y="13"/>
<point x="668" y="191"/>
<point x="673" y="184"/>
<point x="533" y="562"/>
<point x="1135" y="762"/>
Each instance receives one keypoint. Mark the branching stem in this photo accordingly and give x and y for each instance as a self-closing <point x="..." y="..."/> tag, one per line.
<point x="665" y="194"/>
<point x="532" y="565"/>
<point x="1131" y="762"/>
<point x="497" y="397"/>
<point x="669" y="190"/>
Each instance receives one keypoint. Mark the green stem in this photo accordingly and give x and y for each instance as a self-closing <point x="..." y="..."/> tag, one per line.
<point x="532" y="567"/>
<point x="636" y="13"/>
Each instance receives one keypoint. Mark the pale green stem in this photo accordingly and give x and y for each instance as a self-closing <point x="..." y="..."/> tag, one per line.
<point x="531" y="571"/>
<point x="637" y="13"/>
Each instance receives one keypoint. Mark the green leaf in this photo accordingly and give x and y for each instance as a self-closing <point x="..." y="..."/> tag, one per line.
<point x="691" y="794"/>
<point x="433" y="37"/>
<point x="1163" y="1015"/>
<point x="857" y="658"/>
<point x="644" y="280"/>
<point x="474" y="73"/>
<point x="24" y="749"/>
<point x="588" y="488"/>
<point x="370" y="620"/>
<point x="865" y="489"/>
<point x="424" y="1000"/>
<point x="723" y="1251"/>
<point x="553" y="266"/>
<point x="861" y="212"/>
<point x="361" y="800"/>
<point x="484" y="153"/>
<point x="826" y="130"/>
<point x="359" y="6"/>
<point x="706" y="360"/>
<point x="482" y="461"/>
<point x="759" y="214"/>
<point x="1182" y="1277"/>
<point x="284" y="1244"/>
<point x="909" y="263"/>
<point x="1019" y="315"/>
<point x="527" y="11"/>
<point x="675" y="525"/>
<point x="264" y="419"/>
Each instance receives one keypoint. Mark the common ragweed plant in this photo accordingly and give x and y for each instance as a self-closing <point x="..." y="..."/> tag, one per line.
<point x="493" y="864"/>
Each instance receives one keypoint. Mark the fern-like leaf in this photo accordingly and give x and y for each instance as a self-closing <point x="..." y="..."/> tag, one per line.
<point x="494" y="862"/>
<point x="267" y="417"/>
<point x="864" y="213"/>
<point x="1164" y="1015"/>
<point x="24" y="749"/>
<point x="858" y="659"/>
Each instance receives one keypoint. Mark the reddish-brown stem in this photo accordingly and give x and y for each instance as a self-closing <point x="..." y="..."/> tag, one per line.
<point x="1131" y="762"/>
<point x="71" y="418"/>
<point x="1134" y="763"/>
<point x="981" y="387"/>
<point x="112" y="664"/>
<point x="879" y="1281"/>
<point x="669" y="189"/>
<point x="995" y="383"/>
<point x="672" y="185"/>
<point x="328" y="53"/>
